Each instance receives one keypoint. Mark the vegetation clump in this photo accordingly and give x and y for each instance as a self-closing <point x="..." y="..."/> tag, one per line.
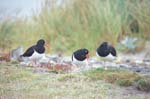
<point x="115" y="76"/>
<point x="143" y="84"/>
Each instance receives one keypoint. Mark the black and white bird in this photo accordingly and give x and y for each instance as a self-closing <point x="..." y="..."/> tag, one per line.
<point x="80" y="57"/>
<point x="106" y="52"/>
<point x="35" y="52"/>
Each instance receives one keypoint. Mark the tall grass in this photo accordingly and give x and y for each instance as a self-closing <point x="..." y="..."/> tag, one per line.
<point x="140" y="11"/>
<point x="79" y="23"/>
<point x="71" y="24"/>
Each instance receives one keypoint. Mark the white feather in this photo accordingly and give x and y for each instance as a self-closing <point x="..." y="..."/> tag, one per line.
<point x="36" y="56"/>
<point x="109" y="57"/>
<point x="80" y="63"/>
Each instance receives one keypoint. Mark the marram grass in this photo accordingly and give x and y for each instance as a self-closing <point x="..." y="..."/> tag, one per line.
<point x="74" y="24"/>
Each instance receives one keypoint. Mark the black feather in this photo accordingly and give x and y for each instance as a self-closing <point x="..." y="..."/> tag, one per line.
<point x="29" y="52"/>
<point x="39" y="48"/>
<point x="112" y="50"/>
<point x="80" y="54"/>
<point x="105" y="49"/>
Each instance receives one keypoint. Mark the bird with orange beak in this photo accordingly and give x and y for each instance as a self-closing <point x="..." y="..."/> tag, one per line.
<point x="80" y="57"/>
<point x="36" y="52"/>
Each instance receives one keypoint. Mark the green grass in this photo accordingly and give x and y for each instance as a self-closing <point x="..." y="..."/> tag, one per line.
<point x="120" y="77"/>
<point x="22" y="82"/>
<point x="76" y="24"/>
<point x="19" y="82"/>
<point x="115" y="76"/>
<point x="144" y="84"/>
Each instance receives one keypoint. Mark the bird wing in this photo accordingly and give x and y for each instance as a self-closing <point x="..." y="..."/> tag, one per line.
<point x="113" y="51"/>
<point x="29" y="52"/>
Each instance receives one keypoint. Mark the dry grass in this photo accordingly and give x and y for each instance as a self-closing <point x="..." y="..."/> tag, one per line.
<point x="19" y="82"/>
<point x="22" y="82"/>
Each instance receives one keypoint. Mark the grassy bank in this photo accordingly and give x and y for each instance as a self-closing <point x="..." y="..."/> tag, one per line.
<point x="27" y="83"/>
<point x="73" y="24"/>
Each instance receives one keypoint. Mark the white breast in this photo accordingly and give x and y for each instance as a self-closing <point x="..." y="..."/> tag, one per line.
<point x="77" y="62"/>
<point x="36" y="56"/>
<point x="110" y="57"/>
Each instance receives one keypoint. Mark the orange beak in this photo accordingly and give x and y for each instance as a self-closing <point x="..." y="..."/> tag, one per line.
<point x="87" y="56"/>
<point x="47" y="45"/>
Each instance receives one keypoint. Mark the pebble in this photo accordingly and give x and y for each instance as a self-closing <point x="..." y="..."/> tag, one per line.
<point x="137" y="66"/>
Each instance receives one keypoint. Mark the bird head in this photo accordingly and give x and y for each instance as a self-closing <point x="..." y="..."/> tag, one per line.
<point x="40" y="42"/>
<point x="104" y="44"/>
<point x="86" y="52"/>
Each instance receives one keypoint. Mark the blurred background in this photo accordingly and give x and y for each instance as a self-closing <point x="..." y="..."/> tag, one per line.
<point x="71" y="24"/>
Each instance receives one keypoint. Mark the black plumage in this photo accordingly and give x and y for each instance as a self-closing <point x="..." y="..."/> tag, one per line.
<point x="39" y="48"/>
<point x="105" y="49"/>
<point x="80" y="54"/>
<point x="107" y="52"/>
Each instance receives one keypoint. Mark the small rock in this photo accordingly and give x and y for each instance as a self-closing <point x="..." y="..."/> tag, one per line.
<point x="124" y="65"/>
<point x="135" y="69"/>
<point x="15" y="53"/>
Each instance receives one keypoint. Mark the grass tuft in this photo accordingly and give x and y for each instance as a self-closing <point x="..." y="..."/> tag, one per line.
<point x="66" y="77"/>
<point x="143" y="84"/>
<point x="117" y="76"/>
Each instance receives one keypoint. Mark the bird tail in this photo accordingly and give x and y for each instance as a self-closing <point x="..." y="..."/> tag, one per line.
<point x="113" y="51"/>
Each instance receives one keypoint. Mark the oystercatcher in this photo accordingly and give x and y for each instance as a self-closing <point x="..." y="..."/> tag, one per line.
<point x="106" y="52"/>
<point x="80" y="57"/>
<point x="35" y="52"/>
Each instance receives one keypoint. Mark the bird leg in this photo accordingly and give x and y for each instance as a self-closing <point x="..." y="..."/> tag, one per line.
<point x="34" y="63"/>
<point x="87" y="64"/>
<point x="105" y="67"/>
<point x="74" y="68"/>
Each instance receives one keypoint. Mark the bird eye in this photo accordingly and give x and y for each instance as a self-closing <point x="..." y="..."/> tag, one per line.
<point x="86" y="52"/>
